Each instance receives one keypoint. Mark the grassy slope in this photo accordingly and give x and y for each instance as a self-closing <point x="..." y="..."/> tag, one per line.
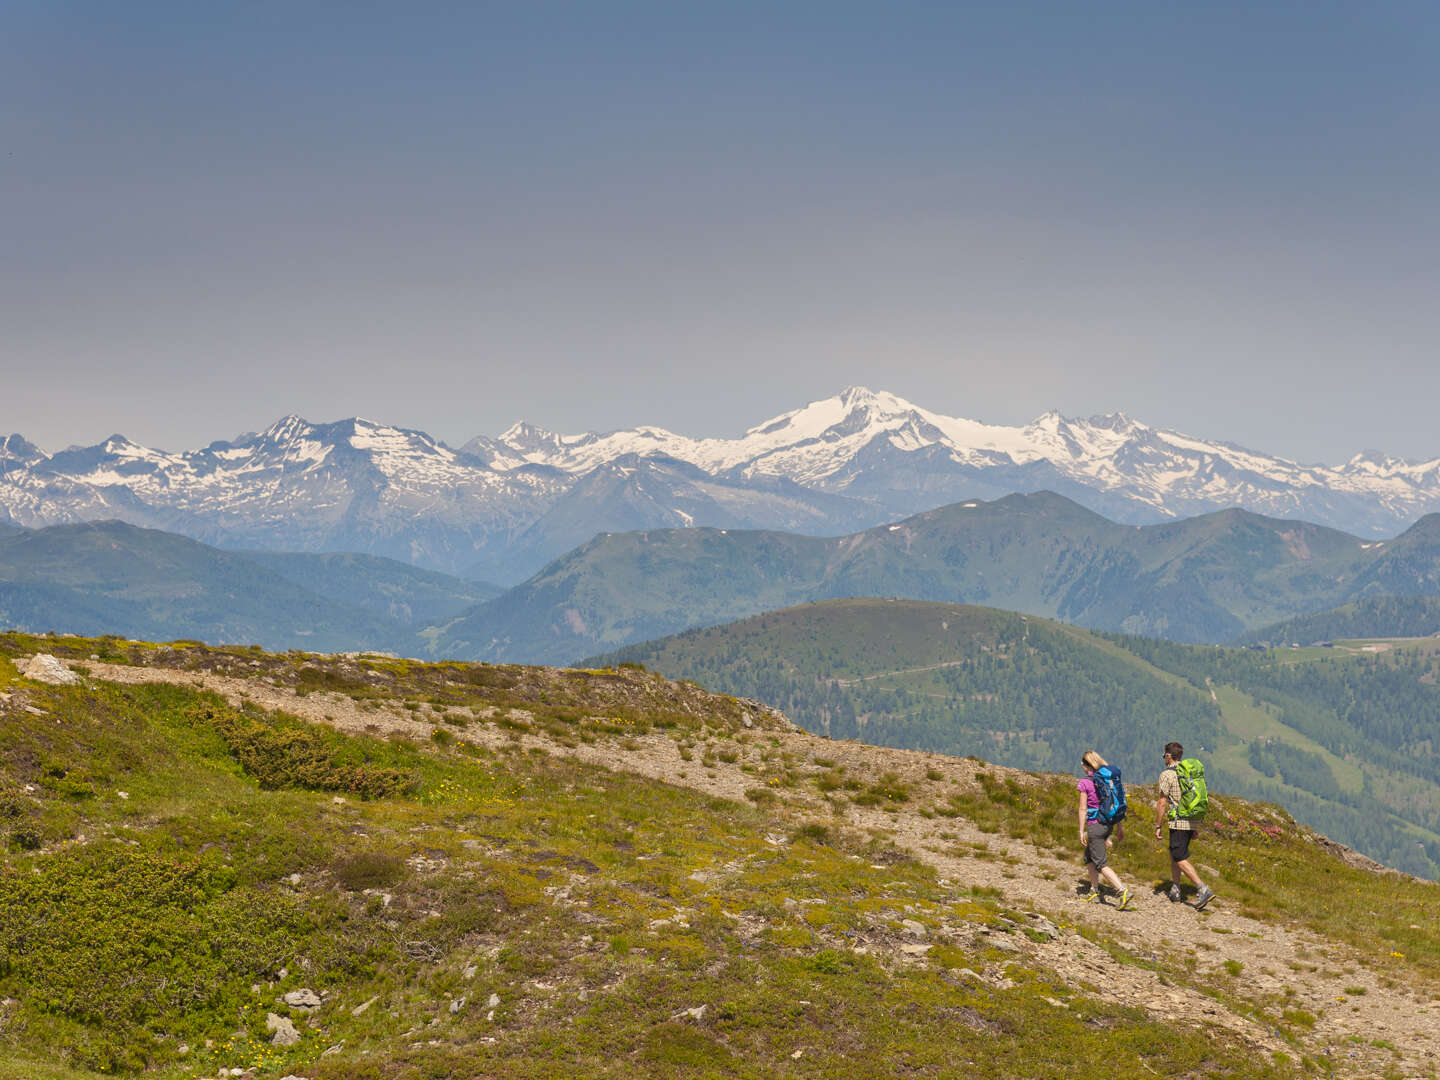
<point x="1032" y="693"/>
<point x="595" y="906"/>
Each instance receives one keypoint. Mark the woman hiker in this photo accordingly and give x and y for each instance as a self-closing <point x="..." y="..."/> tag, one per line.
<point x="1095" y="834"/>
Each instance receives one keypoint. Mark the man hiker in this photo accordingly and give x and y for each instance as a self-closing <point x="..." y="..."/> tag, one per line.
<point x="1181" y="807"/>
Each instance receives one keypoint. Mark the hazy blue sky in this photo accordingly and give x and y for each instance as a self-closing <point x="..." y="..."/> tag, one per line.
<point x="1223" y="218"/>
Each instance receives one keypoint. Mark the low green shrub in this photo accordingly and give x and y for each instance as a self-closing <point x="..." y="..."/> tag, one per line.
<point x="369" y="870"/>
<point x="301" y="757"/>
<point x="105" y="937"/>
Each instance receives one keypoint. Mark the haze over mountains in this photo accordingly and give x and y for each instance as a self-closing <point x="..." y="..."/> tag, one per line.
<point x="1203" y="579"/>
<point x="114" y="578"/>
<point x="500" y="509"/>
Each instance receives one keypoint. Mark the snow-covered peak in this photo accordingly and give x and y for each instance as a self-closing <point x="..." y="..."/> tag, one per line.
<point x="19" y="450"/>
<point x="286" y="429"/>
<point x="526" y="437"/>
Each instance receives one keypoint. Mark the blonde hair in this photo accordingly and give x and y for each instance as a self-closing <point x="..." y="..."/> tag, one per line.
<point x="1093" y="760"/>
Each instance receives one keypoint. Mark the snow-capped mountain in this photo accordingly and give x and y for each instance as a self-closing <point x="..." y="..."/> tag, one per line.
<point x="355" y="485"/>
<point x="502" y="507"/>
<point x="877" y="446"/>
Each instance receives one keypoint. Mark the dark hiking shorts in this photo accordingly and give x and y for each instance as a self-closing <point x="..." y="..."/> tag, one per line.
<point x="1096" y="833"/>
<point x="1180" y="844"/>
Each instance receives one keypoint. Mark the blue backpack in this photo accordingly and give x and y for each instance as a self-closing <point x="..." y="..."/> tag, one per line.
<point x="1110" y="790"/>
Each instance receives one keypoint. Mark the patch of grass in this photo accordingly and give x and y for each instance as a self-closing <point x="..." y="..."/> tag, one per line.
<point x="369" y="870"/>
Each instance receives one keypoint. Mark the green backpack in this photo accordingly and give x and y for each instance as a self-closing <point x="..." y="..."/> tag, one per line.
<point x="1194" y="798"/>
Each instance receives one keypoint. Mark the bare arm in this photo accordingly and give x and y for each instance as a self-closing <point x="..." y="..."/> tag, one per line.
<point x="1161" y="805"/>
<point x="1084" y="807"/>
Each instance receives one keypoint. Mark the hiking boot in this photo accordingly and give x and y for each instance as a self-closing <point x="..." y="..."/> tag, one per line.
<point x="1174" y="894"/>
<point x="1125" y="898"/>
<point x="1204" y="896"/>
<point x="1094" y="896"/>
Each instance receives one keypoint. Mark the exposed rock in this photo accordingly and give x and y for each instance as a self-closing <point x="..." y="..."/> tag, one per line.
<point x="914" y="929"/>
<point x="697" y="1013"/>
<point x="304" y="998"/>
<point x="286" y="1034"/>
<point x="1001" y="942"/>
<point x="457" y="1005"/>
<point x="360" y="1009"/>
<point x="42" y="667"/>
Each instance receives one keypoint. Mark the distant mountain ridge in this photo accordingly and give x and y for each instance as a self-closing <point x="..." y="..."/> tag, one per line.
<point x="861" y="442"/>
<point x="1206" y="579"/>
<point x="113" y="578"/>
<point x="501" y="508"/>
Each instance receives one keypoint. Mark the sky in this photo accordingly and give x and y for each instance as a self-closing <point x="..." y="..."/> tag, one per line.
<point x="1219" y="218"/>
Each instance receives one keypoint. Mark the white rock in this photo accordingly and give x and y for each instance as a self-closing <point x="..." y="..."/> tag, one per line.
<point x="123" y="794"/>
<point x="457" y="1005"/>
<point x="469" y="972"/>
<point x="494" y="1002"/>
<point x="359" y="1009"/>
<point x="45" y="668"/>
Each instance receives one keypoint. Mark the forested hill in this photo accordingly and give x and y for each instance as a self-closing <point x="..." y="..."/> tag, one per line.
<point x="1372" y="617"/>
<point x="1204" y="579"/>
<point x="1342" y="738"/>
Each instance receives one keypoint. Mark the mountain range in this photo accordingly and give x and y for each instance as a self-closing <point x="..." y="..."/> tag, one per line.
<point x="502" y="508"/>
<point x="1205" y="579"/>
<point x="113" y="578"/>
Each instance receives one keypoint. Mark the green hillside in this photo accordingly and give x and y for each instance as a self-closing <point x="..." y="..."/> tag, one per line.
<point x="1371" y="617"/>
<point x="1205" y="579"/>
<point x="396" y="590"/>
<point x="113" y="578"/>
<point x="1344" y="741"/>
<point x="226" y="862"/>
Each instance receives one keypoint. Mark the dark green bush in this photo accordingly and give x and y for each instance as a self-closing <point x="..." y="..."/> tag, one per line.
<point x="301" y="757"/>
<point x="369" y="870"/>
